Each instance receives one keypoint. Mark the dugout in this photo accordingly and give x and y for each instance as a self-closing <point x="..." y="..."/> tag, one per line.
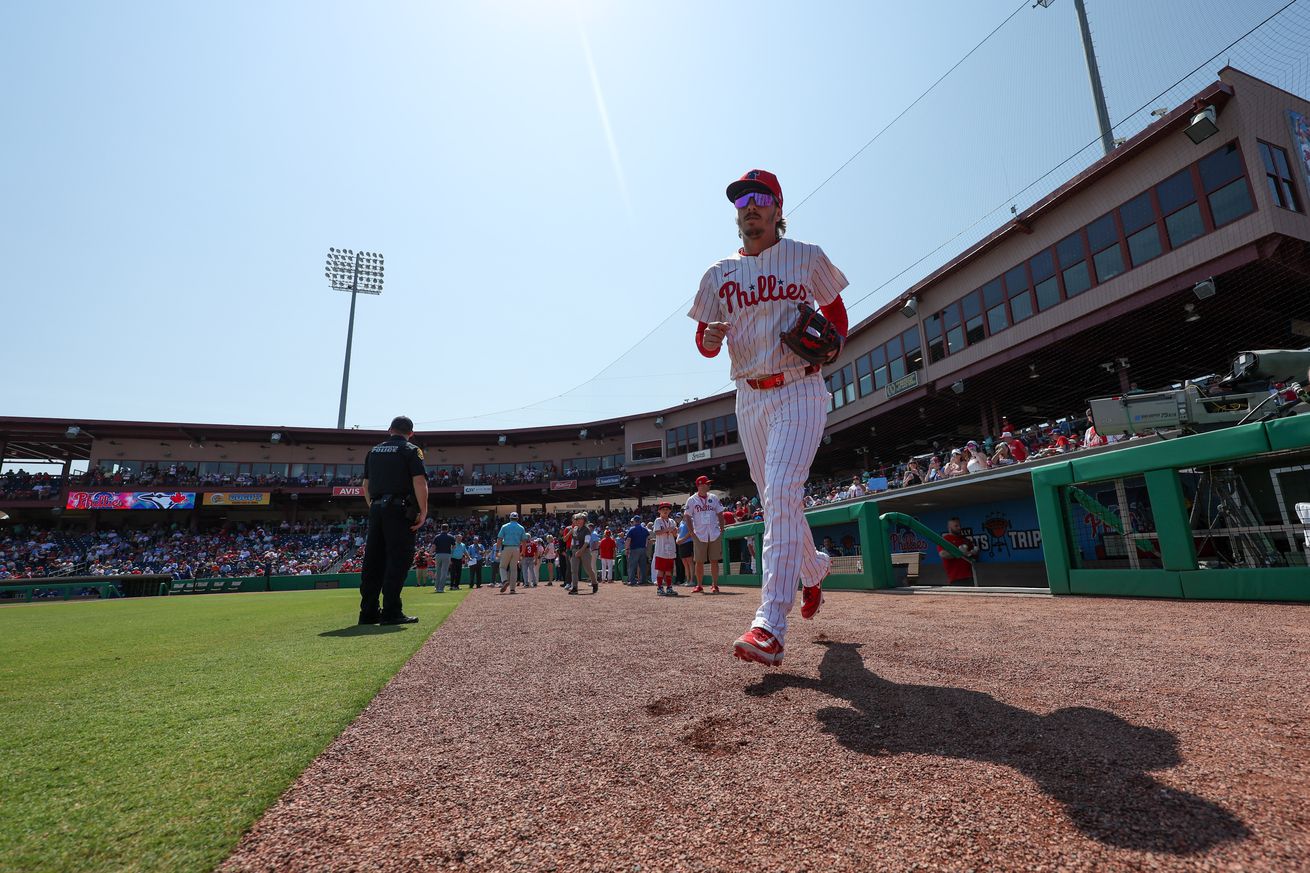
<point x="1206" y="516"/>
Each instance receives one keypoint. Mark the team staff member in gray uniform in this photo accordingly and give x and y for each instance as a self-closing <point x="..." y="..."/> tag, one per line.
<point x="396" y="489"/>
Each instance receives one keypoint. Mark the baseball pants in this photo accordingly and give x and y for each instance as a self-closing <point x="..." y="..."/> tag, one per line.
<point x="638" y="567"/>
<point x="607" y="569"/>
<point x="509" y="567"/>
<point x="441" y="572"/>
<point x="780" y="432"/>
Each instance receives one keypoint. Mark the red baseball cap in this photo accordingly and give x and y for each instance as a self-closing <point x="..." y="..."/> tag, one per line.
<point x="703" y="480"/>
<point x="756" y="180"/>
<point x="664" y="504"/>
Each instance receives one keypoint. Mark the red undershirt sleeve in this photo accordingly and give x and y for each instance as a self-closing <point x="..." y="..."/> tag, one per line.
<point x="700" y="340"/>
<point x="834" y="312"/>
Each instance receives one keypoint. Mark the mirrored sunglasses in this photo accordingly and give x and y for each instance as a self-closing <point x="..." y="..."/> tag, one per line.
<point x="759" y="198"/>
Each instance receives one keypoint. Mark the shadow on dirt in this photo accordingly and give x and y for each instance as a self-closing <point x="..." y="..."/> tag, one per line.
<point x="1091" y="761"/>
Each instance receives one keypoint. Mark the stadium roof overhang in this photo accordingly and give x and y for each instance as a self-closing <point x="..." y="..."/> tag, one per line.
<point x="1217" y="94"/>
<point x="1264" y="302"/>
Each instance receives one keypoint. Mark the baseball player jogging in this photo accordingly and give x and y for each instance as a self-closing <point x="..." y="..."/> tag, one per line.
<point x="761" y="302"/>
<point x="665" y="534"/>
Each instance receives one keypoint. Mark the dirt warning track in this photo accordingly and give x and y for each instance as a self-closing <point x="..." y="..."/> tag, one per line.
<point x="616" y="732"/>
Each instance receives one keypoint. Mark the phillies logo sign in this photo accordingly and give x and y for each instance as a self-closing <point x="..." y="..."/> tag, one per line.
<point x="765" y="288"/>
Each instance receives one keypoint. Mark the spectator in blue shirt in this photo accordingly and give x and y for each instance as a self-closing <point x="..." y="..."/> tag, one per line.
<point x="634" y="544"/>
<point x="457" y="553"/>
<point x="510" y="537"/>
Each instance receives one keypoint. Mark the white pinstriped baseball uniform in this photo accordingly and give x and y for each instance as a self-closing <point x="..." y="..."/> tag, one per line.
<point x="780" y="427"/>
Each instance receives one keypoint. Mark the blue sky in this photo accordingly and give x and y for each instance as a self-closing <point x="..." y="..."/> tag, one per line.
<point x="544" y="178"/>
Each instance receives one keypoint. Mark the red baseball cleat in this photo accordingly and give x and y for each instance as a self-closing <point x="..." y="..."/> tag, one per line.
<point x="714" y="589"/>
<point x="760" y="646"/>
<point x="812" y="596"/>
<point x="699" y="589"/>
<point x="811" y="600"/>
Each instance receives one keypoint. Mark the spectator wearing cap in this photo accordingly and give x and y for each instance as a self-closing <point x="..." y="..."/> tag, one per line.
<point x="955" y="466"/>
<point x="974" y="459"/>
<point x="706" y="514"/>
<point x="457" y="553"/>
<point x="1018" y="450"/>
<point x="442" y="547"/>
<point x="579" y="560"/>
<point x="634" y="544"/>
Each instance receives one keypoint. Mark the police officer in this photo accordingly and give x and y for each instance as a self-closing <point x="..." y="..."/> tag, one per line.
<point x="396" y="490"/>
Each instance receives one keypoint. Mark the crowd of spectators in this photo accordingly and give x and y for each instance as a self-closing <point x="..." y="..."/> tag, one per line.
<point x="278" y="549"/>
<point x="22" y="485"/>
<point x="180" y="475"/>
<point x="1013" y="446"/>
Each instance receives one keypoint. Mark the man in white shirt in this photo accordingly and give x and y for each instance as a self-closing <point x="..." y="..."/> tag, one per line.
<point x="706" y="514"/>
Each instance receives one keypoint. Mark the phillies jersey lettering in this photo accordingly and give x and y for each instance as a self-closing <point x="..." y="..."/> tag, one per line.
<point x="757" y="296"/>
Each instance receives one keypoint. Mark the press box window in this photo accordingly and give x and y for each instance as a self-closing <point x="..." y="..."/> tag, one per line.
<point x="1138" y="217"/>
<point x="994" y="302"/>
<point x="1072" y="254"/>
<point x="1021" y="300"/>
<point x="1225" y="185"/>
<point x="1107" y="254"/>
<point x="1278" y="176"/>
<point x="895" y="359"/>
<point x="913" y="351"/>
<point x="1046" y="286"/>
<point x="971" y="307"/>
<point x="649" y="450"/>
<point x="681" y="440"/>
<point x="1182" y="214"/>
<point x="932" y="329"/>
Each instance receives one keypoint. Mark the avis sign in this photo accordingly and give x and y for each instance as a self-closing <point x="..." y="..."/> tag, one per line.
<point x="348" y="491"/>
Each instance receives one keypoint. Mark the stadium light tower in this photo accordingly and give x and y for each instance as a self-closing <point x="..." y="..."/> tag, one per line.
<point x="358" y="273"/>
<point x="1093" y="73"/>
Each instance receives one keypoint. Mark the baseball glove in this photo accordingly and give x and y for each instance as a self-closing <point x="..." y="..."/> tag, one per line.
<point x="812" y="336"/>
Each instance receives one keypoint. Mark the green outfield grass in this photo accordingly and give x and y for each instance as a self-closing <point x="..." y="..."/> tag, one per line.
<point x="149" y="734"/>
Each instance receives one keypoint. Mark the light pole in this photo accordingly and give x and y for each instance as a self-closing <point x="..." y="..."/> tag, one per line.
<point x="358" y="273"/>
<point x="1093" y="73"/>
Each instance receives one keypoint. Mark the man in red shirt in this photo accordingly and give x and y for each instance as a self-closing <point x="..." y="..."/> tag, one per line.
<point x="958" y="571"/>
<point x="529" y="553"/>
<point x="607" y="550"/>
<point x="1018" y="450"/>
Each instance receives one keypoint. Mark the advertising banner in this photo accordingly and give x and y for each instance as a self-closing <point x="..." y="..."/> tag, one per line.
<point x="1003" y="531"/>
<point x="236" y="498"/>
<point x="903" y="384"/>
<point x="702" y="455"/>
<point x="131" y="500"/>
<point x="563" y="484"/>
<point x="603" y="481"/>
<point x="477" y="489"/>
<point x="348" y="491"/>
<point x="1301" y="140"/>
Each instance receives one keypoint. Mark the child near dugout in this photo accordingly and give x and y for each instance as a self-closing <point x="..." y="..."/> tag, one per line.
<point x="665" y="534"/>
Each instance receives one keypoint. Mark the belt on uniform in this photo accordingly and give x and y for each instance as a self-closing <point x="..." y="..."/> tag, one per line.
<point x="777" y="380"/>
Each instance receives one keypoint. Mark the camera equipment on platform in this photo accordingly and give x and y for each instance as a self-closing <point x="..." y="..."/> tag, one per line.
<point x="1262" y="385"/>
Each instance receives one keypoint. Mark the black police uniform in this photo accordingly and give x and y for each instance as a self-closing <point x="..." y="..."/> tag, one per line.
<point x="390" y="468"/>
